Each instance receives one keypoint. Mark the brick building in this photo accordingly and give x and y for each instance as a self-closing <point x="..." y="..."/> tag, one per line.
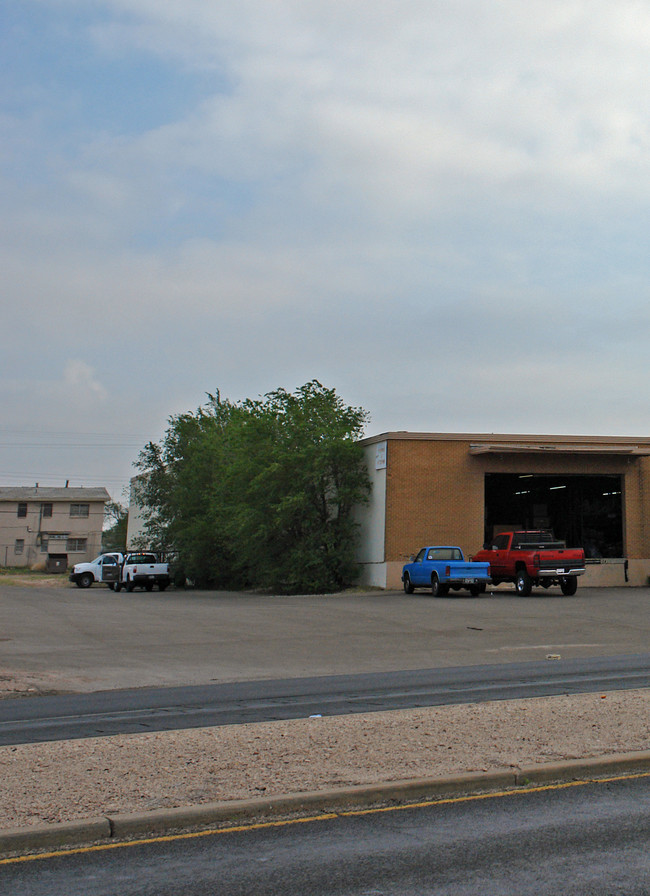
<point x="463" y="488"/>
<point x="50" y="527"/>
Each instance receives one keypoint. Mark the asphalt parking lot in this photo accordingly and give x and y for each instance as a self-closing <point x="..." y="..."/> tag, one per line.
<point x="55" y="639"/>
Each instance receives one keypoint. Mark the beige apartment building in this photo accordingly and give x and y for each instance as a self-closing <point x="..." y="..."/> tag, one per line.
<point x="461" y="489"/>
<point x="50" y="528"/>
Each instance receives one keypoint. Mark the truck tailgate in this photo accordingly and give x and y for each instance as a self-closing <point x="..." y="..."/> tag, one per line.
<point x="459" y="570"/>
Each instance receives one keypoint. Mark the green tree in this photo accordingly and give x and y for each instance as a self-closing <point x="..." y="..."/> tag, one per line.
<point x="261" y="493"/>
<point x="177" y="489"/>
<point x="116" y="518"/>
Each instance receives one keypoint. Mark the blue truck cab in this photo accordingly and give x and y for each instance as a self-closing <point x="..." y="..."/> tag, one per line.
<point x="441" y="567"/>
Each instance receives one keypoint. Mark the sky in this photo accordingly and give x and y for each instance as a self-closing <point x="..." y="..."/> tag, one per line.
<point x="439" y="208"/>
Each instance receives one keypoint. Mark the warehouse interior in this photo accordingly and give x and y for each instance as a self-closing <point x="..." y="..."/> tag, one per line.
<point x="585" y="511"/>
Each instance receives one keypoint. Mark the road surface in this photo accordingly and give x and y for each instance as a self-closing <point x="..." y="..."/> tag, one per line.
<point x="137" y="710"/>
<point x="577" y="839"/>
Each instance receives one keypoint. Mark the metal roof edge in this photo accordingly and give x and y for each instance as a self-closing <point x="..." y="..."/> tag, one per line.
<point x="509" y="439"/>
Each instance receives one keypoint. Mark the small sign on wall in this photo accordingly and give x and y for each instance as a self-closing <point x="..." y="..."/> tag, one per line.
<point x="381" y="454"/>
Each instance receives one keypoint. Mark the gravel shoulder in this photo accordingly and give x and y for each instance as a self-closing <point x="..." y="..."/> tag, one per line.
<point x="74" y="780"/>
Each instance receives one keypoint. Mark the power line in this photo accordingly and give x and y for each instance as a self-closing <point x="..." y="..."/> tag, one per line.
<point x="68" y="445"/>
<point x="71" y="432"/>
<point x="40" y="476"/>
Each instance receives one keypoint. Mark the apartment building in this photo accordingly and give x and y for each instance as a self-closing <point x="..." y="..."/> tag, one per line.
<point x="50" y="528"/>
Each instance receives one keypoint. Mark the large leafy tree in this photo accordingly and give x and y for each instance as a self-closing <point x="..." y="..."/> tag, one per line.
<point x="116" y="517"/>
<point x="260" y="493"/>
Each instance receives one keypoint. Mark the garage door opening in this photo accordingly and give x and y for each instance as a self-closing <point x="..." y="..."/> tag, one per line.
<point x="583" y="511"/>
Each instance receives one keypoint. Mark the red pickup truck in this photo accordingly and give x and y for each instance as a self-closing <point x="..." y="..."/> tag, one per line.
<point x="530" y="558"/>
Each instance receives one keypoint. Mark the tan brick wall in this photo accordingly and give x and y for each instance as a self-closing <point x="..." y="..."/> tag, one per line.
<point x="636" y="494"/>
<point x="435" y="495"/>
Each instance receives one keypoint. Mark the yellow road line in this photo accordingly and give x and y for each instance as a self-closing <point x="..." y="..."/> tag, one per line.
<point x="325" y="816"/>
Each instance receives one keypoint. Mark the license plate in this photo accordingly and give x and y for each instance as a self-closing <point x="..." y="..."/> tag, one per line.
<point x="560" y="571"/>
<point x="469" y="581"/>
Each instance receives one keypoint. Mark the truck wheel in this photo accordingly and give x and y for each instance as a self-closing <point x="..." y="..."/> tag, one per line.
<point x="129" y="585"/>
<point x="569" y="585"/>
<point x="85" y="580"/>
<point x="408" y="588"/>
<point x="117" y="586"/>
<point x="523" y="583"/>
<point x="437" y="589"/>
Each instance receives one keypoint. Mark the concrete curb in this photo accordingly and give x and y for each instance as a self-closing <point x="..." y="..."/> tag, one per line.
<point x="54" y="836"/>
<point x="67" y="835"/>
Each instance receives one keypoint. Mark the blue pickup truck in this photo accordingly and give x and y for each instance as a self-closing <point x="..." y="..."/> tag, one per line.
<point x="441" y="567"/>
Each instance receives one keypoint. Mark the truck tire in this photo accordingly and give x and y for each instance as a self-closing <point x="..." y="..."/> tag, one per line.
<point x="85" y="580"/>
<point x="523" y="583"/>
<point x="437" y="589"/>
<point x="129" y="585"/>
<point x="408" y="588"/>
<point x="117" y="587"/>
<point x="569" y="585"/>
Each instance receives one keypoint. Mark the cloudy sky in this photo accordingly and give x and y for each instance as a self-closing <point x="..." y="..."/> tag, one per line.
<point x="440" y="208"/>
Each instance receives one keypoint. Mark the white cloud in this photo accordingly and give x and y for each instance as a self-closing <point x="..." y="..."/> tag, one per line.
<point x="80" y="384"/>
<point x="557" y="90"/>
<point x="67" y="398"/>
<point x="412" y="202"/>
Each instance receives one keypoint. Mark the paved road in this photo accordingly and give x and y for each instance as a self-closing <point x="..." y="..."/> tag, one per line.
<point x="163" y="709"/>
<point x="574" y="840"/>
<point x="65" y="639"/>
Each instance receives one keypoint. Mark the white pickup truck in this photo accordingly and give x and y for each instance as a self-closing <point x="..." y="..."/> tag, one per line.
<point x="142" y="570"/>
<point x="139" y="569"/>
<point x="104" y="568"/>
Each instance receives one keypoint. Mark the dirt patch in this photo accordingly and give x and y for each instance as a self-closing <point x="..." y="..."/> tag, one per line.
<point x="12" y="686"/>
<point x="35" y="580"/>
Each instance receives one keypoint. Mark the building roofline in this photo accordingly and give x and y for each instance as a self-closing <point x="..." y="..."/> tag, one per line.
<point x="49" y="493"/>
<point x="483" y="443"/>
<point x="507" y="438"/>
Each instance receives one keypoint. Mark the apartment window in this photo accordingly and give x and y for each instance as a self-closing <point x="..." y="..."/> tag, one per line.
<point x="22" y="509"/>
<point x="79" y="509"/>
<point x="46" y="509"/>
<point x="76" y="545"/>
<point x="57" y="537"/>
<point x="19" y="547"/>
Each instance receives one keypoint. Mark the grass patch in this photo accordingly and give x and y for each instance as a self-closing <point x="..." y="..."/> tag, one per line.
<point x="22" y="575"/>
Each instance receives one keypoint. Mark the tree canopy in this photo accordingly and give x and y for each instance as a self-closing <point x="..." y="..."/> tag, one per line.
<point x="116" y="517"/>
<point x="260" y="493"/>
